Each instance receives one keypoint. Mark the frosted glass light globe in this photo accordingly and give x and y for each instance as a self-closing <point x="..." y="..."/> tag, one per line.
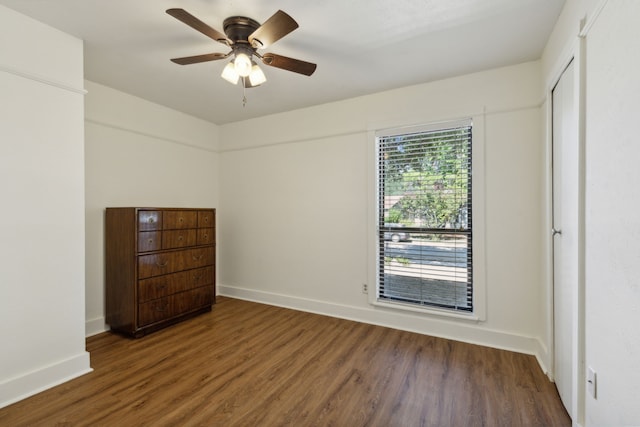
<point x="242" y="64"/>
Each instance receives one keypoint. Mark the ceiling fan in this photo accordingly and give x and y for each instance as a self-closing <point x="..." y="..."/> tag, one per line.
<point x="245" y="36"/>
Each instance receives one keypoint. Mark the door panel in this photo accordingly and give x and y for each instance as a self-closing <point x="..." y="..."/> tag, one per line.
<point x="565" y="240"/>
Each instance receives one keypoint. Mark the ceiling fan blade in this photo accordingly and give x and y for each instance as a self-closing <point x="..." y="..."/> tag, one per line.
<point x="198" y="25"/>
<point x="289" y="64"/>
<point x="275" y="28"/>
<point x="200" y="58"/>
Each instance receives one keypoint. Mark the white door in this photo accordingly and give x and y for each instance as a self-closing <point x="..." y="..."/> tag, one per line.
<point x="565" y="240"/>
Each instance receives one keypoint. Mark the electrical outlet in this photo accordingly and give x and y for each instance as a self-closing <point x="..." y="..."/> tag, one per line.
<point x="592" y="382"/>
<point x="365" y="288"/>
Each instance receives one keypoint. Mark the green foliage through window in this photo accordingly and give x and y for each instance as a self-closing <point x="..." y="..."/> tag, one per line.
<point x="426" y="178"/>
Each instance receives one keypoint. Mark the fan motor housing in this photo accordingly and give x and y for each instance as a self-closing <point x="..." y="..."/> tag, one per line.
<point x="239" y="28"/>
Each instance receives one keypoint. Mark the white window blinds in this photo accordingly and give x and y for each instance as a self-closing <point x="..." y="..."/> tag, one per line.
<point x="424" y="216"/>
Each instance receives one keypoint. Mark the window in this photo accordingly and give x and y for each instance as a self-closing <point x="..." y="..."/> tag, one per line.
<point x="424" y="227"/>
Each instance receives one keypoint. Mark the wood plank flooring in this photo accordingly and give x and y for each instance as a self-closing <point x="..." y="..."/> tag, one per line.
<point x="248" y="364"/>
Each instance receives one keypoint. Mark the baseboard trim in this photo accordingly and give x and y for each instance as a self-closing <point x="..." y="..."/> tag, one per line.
<point x="449" y="329"/>
<point x="542" y="355"/>
<point x="95" y="326"/>
<point x="18" y="388"/>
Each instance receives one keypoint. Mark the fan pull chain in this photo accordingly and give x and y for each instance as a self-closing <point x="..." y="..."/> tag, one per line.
<point x="244" y="95"/>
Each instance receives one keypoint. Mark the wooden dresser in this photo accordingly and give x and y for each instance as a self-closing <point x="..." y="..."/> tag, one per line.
<point x="160" y="266"/>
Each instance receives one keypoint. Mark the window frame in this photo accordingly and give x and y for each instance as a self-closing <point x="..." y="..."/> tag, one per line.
<point x="478" y="312"/>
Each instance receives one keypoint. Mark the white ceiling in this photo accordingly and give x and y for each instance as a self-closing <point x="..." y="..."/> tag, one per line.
<point x="360" y="46"/>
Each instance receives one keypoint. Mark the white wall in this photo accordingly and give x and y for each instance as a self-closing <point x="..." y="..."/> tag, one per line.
<point x="563" y="40"/>
<point x="611" y="344"/>
<point x="294" y="232"/>
<point x="42" y="215"/>
<point x="139" y="154"/>
<point x="612" y="227"/>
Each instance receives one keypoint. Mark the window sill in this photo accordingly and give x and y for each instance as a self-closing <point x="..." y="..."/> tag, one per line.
<point x="470" y="317"/>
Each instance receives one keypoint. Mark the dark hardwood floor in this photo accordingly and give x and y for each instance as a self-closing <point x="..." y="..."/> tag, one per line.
<point x="248" y="364"/>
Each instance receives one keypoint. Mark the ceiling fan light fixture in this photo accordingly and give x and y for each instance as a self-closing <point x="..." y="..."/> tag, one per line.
<point x="230" y="74"/>
<point x="245" y="36"/>
<point x="242" y="64"/>
<point x="256" y="77"/>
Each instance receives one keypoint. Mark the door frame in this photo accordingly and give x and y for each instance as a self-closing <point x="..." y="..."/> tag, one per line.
<point x="575" y="53"/>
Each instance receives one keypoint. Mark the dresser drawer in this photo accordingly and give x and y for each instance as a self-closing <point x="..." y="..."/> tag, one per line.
<point x="206" y="219"/>
<point x="171" y="262"/>
<point x="206" y="236"/>
<point x="161" y="286"/>
<point x="149" y="220"/>
<point x="179" y="219"/>
<point x="174" y="305"/>
<point x="195" y="299"/>
<point x="172" y="239"/>
<point x="149" y="241"/>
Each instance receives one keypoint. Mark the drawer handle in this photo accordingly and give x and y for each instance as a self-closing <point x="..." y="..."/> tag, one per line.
<point x="162" y="264"/>
<point x="150" y="241"/>
<point x="159" y="307"/>
<point x="197" y="258"/>
<point x="160" y="287"/>
<point x="206" y="236"/>
<point x="180" y="238"/>
<point x="151" y="221"/>
<point x="181" y="219"/>
<point x="197" y="277"/>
